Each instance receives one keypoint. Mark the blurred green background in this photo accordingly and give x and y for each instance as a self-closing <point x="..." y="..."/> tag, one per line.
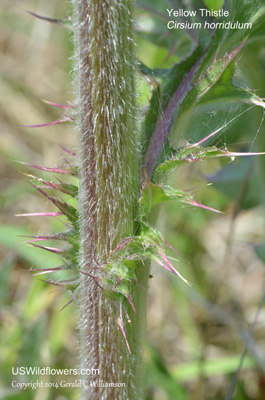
<point x="196" y="335"/>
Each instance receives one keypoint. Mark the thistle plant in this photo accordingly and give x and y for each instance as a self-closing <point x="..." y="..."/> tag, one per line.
<point x="119" y="173"/>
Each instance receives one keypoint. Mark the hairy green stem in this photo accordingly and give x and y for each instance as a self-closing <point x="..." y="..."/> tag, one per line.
<point x="109" y="175"/>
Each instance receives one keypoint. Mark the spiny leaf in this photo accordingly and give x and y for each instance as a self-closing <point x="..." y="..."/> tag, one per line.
<point x="58" y="236"/>
<point x="212" y="83"/>
<point x="149" y="244"/>
<point x="56" y="170"/>
<point x="193" y="153"/>
<point x="213" y="74"/>
<point x="154" y="194"/>
<point x="227" y="90"/>
<point x="174" y="89"/>
<point x="66" y="188"/>
<point x="69" y="211"/>
<point x="223" y="91"/>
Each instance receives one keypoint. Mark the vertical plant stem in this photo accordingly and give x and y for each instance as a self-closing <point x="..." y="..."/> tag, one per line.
<point x="109" y="175"/>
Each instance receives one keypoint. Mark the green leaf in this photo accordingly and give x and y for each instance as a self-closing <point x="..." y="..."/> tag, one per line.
<point x="214" y="4"/>
<point x="260" y="251"/>
<point x="215" y="78"/>
<point x="245" y="11"/>
<point x="194" y="152"/>
<point x="240" y="182"/>
<point x="5" y="272"/>
<point x="157" y="372"/>
<point x="153" y="36"/>
<point x="33" y="337"/>
<point x="192" y="83"/>
<point x="154" y="194"/>
<point x="175" y="84"/>
<point x="151" y="117"/>
<point x="216" y="85"/>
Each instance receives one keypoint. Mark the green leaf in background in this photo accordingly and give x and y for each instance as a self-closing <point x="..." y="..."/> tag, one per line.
<point x="9" y="238"/>
<point x="240" y="182"/>
<point x="155" y="194"/>
<point x="211" y="368"/>
<point x="5" y="273"/>
<point x="158" y="372"/>
<point x="33" y="335"/>
<point x="214" y="83"/>
<point x="151" y="117"/>
<point x="214" y="4"/>
<point x="179" y="88"/>
<point x="9" y="394"/>
<point x="245" y="11"/>
<point x="66" y="23"/>
<point x="260" y="251"/>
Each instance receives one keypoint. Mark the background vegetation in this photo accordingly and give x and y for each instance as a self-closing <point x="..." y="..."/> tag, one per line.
<point x="196" y="335"/>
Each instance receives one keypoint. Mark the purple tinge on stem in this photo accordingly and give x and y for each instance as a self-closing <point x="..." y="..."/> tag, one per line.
<point x="161" y="130"/>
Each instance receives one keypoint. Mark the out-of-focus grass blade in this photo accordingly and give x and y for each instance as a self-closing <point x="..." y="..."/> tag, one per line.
<point x="5" y="272"/>
<point x="158" y="373"/>
<point x="211" y="367"/>
<point x="9" y="238"/>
